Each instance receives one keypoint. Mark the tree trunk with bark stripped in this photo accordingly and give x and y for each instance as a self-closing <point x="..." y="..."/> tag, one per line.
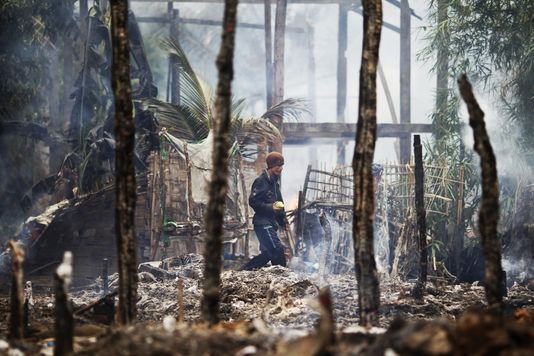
<point x="364" y="205"/>
<point x="125" y="182"/>
<point x="219" y="176"/>
<point x="489" y="207"/>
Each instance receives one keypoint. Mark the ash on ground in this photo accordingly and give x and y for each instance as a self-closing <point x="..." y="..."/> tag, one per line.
<point x="273" y="310"/>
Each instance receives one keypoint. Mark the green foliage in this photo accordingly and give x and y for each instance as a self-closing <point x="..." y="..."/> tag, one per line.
<point x="493" y="42"/>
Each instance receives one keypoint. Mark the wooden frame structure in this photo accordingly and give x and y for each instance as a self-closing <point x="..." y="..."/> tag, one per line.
<point x="403" y="130"/>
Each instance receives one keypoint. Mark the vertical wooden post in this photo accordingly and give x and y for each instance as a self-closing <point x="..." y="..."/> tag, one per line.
<point x="405" y="79"/>
<point x="458" y="243"/>
<point x="175" y="72"/>
<point x="16" y="320"/>
<point x="419" y="288"/>
<point x="191" y="248"/>
<point x="64" y="320"/>
<point x="244" y="202"/>
<point x="312" y="95"/>
<point x="442" y="65"/>
<point x="268" y="54"/>
<point x="279" y="51"/>
<point x="105" y="277"/>
<point x="391" y="106"/>
<point x="125" y="179"/>
<point x="341" y="102"/>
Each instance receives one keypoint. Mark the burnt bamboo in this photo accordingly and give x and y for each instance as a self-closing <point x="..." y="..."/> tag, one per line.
<point x="125" y="180"/>
<point x="489" y="207"/>
<point x="419" y="288"/>
<point x="363" y="213"/>
<point x="219" y="176"/>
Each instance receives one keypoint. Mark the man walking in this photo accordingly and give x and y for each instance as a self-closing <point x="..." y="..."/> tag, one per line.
<point x="266" y="200"/>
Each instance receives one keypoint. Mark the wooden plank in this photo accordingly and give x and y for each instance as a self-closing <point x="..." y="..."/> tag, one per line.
<point x="301" y="131"/>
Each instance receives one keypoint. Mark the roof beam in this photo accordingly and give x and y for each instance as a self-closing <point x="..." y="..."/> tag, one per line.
<point x="301" y="132"/>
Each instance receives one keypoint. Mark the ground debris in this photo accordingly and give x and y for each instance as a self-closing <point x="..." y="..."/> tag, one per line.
<point x="274" y="310"/>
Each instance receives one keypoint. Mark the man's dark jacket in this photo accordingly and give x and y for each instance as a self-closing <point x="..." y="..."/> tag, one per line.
<point x="266" y="191"/>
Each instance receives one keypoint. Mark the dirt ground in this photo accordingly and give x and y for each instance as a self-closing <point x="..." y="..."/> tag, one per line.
<point x="275" y="310"/>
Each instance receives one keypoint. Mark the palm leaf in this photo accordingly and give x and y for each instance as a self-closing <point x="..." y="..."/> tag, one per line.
<point x="253" y="131"/>
<point x="191" y="92"/>
<point x="288" y="109"/>
<point x="179" y="120"/>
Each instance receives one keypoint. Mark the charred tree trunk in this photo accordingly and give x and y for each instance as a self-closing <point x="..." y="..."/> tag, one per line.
<point x="125" y="182"/>
<point x="489" y="208"/>
<point x="364" y="205"/>
<point x="219" y="176"/>
<point x="16" y="321"/>
<point x="419" y="289"/>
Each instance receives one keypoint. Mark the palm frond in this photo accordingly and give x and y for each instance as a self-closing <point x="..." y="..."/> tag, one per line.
<point x="192" y="94"/>
<point x="237" y="108"/>
<point x="179" y="120"/>
<point x="254" y="130"/>
<point x="291" y="108"/>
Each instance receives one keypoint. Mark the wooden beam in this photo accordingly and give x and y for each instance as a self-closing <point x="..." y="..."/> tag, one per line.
<point x="301" y="132"/>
